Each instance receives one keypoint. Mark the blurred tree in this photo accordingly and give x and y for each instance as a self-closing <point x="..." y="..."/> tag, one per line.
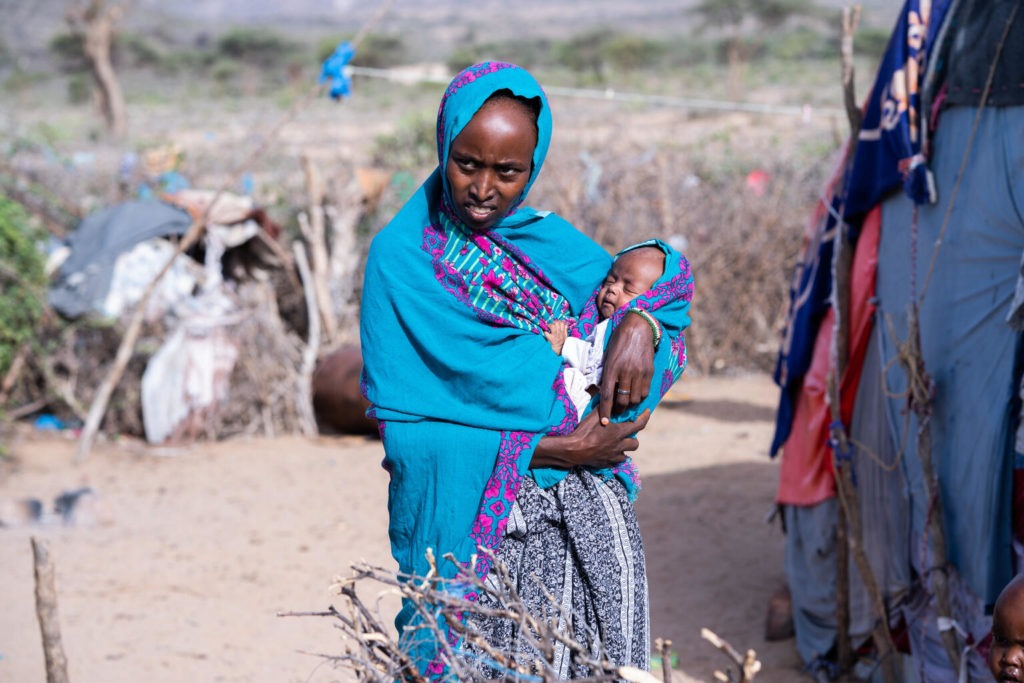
<point x="587" y="52"/>
<point x="380" y="51"/>
<point x="634" y="52"/>
<point x="729" y="16"/>
<point x="96" y="24"/>
<point x="256" y="47"/>
<point x="69" y="51"/>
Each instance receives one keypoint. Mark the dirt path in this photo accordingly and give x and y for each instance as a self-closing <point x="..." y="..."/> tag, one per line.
<point x="178" y="566"/>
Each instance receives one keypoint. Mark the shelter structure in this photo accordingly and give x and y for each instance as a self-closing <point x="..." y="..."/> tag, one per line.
<point x="900" y="365"/>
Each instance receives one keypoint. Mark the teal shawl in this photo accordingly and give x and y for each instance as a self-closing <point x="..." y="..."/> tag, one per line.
<point x="460" y="377"/>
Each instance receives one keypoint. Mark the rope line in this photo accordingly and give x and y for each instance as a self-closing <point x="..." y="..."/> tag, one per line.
<point x="610" y="94"/>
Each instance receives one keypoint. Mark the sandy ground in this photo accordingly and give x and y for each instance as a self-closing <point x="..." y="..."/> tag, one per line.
<point x="178" y="567"/>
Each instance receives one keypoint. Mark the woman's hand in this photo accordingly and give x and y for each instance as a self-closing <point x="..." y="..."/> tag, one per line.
<point x="628" y="366"/>
<point x="592" y="444"/>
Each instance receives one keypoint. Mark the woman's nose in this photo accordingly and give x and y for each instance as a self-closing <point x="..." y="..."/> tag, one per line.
<point x="483" y="185"/>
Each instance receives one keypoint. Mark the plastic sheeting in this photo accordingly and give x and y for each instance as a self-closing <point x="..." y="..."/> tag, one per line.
<point x="84" y="278"/>
<point x="188" y="375"/>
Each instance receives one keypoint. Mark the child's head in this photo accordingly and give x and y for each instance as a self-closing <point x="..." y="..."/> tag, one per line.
<point x="633" y="273"/>
<point x="1006" y="656"/>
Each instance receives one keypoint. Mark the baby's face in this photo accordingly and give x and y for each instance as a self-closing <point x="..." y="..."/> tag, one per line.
<point x="1006" y="657"/>
<point x="632" y="274"/>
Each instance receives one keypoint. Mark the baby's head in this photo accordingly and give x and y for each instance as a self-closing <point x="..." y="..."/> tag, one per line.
<point x="1006" y="656"/>
<point x="633" y="273"/>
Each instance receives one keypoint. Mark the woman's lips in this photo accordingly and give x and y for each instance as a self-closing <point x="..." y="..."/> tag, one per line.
<point x="479" y="213"/>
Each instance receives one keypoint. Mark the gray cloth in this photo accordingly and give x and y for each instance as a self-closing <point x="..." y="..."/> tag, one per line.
<point x="968" y="350"/>
<point x="580" y="543"/>
<point x="84" y="278"/>
<point x="811" y="573"/>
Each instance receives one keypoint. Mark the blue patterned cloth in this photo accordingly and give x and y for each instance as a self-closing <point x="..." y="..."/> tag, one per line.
<point x="890" y="143"/>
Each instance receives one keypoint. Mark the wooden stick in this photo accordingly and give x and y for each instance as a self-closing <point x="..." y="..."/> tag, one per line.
<point x="851" y="17"/>
<point x="844" y="648"/>
<point x="46" y="611"/>
<point x="748" y="664"/>
<point x="920" y="398"/>
<point x="849" y="528"/>
<point x="841" y="261"/>
<point x="304" y="400"/>
<point x="11" y="376"/>
<point x="315" y="232"/>
<point x="665" y="652"/>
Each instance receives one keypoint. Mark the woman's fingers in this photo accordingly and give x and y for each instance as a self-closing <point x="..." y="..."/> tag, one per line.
<point x="628" y="367"/>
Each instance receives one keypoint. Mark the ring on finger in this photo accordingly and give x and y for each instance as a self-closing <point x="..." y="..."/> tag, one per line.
<point x="622" y="391"/>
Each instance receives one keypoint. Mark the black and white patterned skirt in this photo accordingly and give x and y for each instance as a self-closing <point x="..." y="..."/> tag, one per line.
<point x="576" y="560"/>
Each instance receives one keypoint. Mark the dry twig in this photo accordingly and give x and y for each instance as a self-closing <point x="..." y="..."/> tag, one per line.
<point x="748" y="664"/>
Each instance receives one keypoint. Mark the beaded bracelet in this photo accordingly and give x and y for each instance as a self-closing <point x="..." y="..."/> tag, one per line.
<point x="655" y="327"/>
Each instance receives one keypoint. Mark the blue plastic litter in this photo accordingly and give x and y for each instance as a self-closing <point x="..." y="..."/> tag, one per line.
<point x="335" y="70"/>
<point x="49" y="423"/>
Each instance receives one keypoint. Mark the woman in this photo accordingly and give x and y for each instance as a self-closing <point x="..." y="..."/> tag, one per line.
<point x="482" y="443"/>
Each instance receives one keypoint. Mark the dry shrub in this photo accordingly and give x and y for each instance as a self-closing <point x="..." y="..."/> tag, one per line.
<point x="265" y="380"/>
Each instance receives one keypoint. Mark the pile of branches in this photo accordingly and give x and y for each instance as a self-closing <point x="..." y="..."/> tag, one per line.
<point x="372" y="653"/>
<point x="59" y="371"/>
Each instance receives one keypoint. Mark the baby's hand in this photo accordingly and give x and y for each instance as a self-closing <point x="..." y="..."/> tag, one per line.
<point x="558" y="330"/>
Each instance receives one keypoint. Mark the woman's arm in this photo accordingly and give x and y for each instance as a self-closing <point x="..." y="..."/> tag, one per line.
<point x="592" y="444"/>
<point x="628" y="366"/>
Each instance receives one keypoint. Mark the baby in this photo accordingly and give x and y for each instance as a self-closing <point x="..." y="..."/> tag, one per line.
<point x="633" y="273"/>
<point x="1006" y="656"/>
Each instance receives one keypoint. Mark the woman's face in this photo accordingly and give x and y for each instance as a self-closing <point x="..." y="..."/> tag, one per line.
<point x="490" y="161"/>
